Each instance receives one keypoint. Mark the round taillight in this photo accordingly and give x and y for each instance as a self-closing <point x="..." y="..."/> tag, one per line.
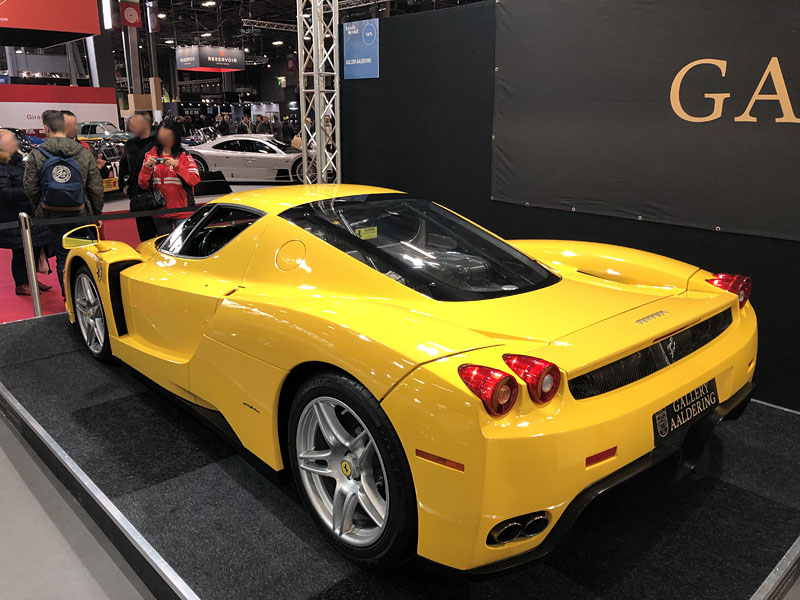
<point x="741" y="285"/>
<point x="542" y="377"/>
<point x="497" y="390"/>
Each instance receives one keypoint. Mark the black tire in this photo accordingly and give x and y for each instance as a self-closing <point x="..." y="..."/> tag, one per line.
<point x="202" y="165"/>
<point x="398" y="540"/>
<point x="100" y="350"/>
<point x="297" y="169"/>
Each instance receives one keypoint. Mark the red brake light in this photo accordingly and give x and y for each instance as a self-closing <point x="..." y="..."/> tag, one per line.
<point x="740" y="285"/>
<point x="497" y="389"/>
<point x="541" y="377"/>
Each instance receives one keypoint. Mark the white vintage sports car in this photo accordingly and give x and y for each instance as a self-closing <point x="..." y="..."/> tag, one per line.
<point x="253" y="157"/>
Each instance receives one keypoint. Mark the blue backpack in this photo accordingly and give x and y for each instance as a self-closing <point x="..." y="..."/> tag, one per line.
<point x="61" y="183"/>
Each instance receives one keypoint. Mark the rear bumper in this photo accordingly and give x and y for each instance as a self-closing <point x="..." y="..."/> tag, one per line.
<point x="533" y="460"/>
<point x="688" y="451"/>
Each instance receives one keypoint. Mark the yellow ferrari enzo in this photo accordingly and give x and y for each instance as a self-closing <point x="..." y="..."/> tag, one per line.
<point x="434" y="389"/>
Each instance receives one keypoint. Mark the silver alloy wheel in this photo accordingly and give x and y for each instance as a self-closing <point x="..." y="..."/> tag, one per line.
<point x="312" y="169"/>
<point x="89" y="311"/>
<point x="201" y="166"/>
<point x="342" y="471"/>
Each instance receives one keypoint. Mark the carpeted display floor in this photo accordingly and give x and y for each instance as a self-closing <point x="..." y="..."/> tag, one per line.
<point x="231" y="532"/>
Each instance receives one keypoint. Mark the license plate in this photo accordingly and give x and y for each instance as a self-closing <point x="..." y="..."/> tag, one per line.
<point x="679" y="414"/>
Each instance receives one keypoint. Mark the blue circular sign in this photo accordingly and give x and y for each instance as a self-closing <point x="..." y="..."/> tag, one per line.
<point x="369" y="35"/>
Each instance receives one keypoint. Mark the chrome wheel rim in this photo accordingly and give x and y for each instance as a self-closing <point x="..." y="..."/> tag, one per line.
<point x="89" y="311"/>
<point x="200" y="166"/>
<point x="342" y="471"/>
<point x="312" y="169"/>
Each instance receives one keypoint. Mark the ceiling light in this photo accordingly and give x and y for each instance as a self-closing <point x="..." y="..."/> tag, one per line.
<point x="269" y="66"/>
<point x="206" y="34"/>
<point x="162" y="15"/>
<point x="208" y="3"/>
<point x="18" y="51"/>
<point x="169" y="42"/>
<point x="247" y="49"/>
<point x="307" y="38"/>
<point x="140" y="45"/>
<point x="277" y="43"/>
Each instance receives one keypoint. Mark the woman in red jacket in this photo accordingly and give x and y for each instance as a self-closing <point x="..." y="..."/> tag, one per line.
<point x="174" y="174"/>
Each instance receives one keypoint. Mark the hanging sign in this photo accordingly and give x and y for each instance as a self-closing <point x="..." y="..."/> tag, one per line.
<point x="212" y="59"/>
<point x="131" y="14"/>
<point x="361" y="50"/>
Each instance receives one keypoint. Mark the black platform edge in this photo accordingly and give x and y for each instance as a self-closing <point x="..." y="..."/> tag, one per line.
<point x="783" y="576"/>
<point x="156" y="573"/>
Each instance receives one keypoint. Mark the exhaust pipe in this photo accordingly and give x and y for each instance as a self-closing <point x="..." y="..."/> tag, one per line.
<point x="505" y="532"/>
<point x="535" y="524"/>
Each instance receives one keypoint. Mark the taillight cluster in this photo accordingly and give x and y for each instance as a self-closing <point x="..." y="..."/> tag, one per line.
<point x="741" y="285"/>
<point x="498" y="389"/>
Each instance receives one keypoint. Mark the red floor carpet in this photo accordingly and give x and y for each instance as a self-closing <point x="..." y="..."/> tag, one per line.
<point x="14" y="308"/>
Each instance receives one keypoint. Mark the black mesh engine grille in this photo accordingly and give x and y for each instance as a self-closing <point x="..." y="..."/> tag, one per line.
<point x="647" y="361"/>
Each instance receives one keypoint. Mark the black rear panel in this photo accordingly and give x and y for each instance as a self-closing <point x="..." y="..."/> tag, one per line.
<point x="647" y="361"/>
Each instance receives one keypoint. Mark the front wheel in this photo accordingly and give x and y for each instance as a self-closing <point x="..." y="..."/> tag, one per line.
<point x="89" y="315"/>
<point x="352" y="472"/>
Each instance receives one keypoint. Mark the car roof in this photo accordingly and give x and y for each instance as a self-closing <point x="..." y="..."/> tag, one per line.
<point x="275" y="200"/>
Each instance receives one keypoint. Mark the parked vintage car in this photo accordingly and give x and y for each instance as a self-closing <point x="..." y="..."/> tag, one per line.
<point x="434" y="389"/>
<point x="98" y="130"/>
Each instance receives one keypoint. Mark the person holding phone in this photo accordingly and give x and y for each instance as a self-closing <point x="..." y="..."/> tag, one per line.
<point x="173" y="173"/>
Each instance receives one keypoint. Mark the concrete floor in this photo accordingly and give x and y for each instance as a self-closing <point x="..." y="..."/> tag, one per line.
<point x="49" y="547"/>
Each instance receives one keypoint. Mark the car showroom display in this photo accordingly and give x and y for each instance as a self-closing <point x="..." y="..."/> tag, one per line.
<point x="99" y="130"/>
<point x="434" y="389"/>
<point x="250" y="157"/>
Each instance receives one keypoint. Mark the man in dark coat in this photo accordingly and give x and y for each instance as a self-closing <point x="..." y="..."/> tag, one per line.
<point x="287" y="131"/>
<point x="58" y="144"/>
<point x="13" y="201"/>
<point x="131" y="163"/>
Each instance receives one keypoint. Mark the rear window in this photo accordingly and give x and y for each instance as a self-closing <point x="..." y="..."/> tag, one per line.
<point x="422" y="246"/>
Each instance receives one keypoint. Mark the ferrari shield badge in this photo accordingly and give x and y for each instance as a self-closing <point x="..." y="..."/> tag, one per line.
<point x="662" y="424"/>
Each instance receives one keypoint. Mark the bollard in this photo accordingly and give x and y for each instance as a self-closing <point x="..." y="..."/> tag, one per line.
<point x="30" y="262"/>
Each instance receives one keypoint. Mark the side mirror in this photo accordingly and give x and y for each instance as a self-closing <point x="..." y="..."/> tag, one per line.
<point x="85" y="235"/>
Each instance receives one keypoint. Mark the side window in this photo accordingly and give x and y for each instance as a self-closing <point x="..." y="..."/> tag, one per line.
<point x="217" y="230"/>
<point x="84" y="129"/>
<point x="176" y="239"/>
<point x="263" y="148"/>
<point x="232" y="145"/>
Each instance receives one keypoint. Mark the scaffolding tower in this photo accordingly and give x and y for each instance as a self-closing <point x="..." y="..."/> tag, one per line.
<point x="318" y="64"/>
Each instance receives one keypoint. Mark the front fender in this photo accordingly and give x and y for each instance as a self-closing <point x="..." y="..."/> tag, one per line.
<point x="105" y="261"/>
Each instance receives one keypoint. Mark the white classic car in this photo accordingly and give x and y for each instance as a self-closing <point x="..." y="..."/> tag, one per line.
<point x="249" y="157"/>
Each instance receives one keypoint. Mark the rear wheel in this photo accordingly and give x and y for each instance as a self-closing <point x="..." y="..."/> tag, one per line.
<point x="297" y="170"/>
<point x="89" y="315"/>
<point x="352" y="472"/>
<point x="201" y="164"/>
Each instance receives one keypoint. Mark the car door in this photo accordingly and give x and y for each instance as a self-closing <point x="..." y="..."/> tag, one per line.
<point x="229" y="157"/>
<point x="260" y="163"/>
<point x="171" y="299"/>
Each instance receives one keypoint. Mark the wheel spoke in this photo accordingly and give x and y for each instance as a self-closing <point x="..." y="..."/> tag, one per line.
<point x="372" y="503"/>
<point x="309" y="461"/>
<point x="333" y="431"/>
<point x="345" y="501"/>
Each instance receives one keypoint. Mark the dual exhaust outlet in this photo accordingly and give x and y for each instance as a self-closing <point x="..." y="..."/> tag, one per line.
<point x="520" y="527"/>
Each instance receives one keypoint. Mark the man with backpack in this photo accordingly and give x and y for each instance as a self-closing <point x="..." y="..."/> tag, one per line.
<point x="62" y="180"/>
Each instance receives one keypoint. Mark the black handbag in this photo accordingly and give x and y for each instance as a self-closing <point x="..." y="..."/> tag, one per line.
<point x="149" y="200"/>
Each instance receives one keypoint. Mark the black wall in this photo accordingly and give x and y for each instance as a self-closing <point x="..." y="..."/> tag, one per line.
<point x="425" y="127"/>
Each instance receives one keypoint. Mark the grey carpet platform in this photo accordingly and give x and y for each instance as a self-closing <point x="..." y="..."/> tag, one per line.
<point x="231" y="532"/>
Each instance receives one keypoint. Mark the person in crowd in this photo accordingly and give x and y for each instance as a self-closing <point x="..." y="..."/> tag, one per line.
<point x="13" y="201"/>
<point x="173" y="173"/>
<point x="287" y="131"/>
<point x="276" y="127"/>
<point x="224" y="125"/>
<point x="71" y="129"/>
<point x="263" y="126"/>
<point x="130" y="163"/>
<point x="244" y="126"/>
<point x="43" y="185"/>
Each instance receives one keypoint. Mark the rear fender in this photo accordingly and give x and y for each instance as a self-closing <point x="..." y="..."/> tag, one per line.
<point x="105" y="261"/>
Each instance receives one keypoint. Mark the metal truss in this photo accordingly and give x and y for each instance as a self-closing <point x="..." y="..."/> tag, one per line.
<point x="269" y="25"/>
<point x="317" y="43"/>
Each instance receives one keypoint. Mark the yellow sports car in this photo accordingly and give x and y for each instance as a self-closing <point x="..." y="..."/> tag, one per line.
<point x="434" y="389"/>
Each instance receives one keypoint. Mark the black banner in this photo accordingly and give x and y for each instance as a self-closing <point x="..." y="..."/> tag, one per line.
<point x="212" y="59"/>
<point x="683" y="112"/>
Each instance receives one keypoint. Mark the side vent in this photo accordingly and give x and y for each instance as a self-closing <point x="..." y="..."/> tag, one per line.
<point x="115" y="291"/>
